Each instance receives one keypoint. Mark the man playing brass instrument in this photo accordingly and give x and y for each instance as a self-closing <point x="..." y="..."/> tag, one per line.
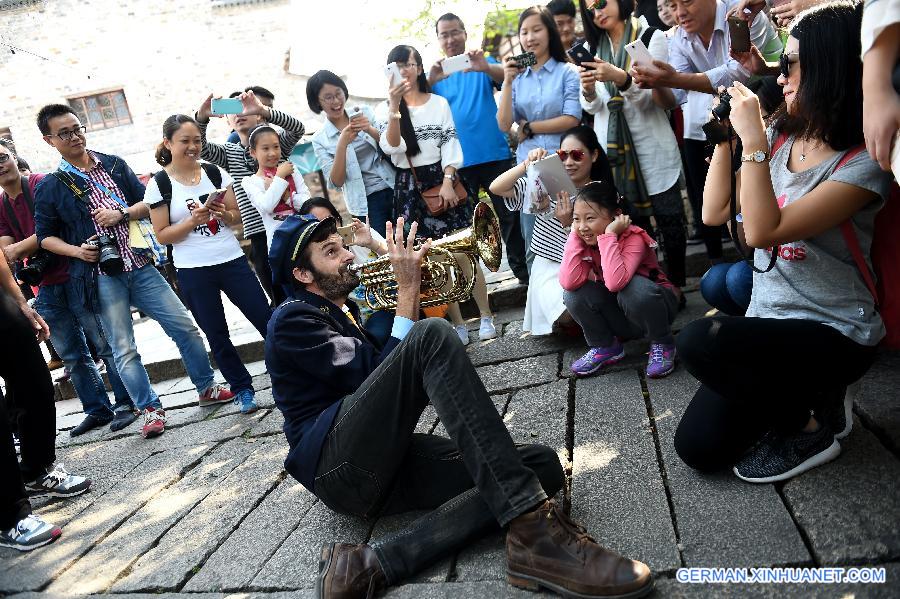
<point x="351" y="408"/>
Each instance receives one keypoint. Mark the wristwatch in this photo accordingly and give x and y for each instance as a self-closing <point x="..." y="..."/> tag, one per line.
<point x="124" y="213"/>
<point x="757" y="156"/>
<point x="450" y="177"/>
<point x="526" y="129"/>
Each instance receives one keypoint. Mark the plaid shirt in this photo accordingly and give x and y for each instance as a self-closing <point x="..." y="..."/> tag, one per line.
<point x="98" y="199"/>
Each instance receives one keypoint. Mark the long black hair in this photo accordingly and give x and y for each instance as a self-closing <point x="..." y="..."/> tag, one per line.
<point x="592" y="33"/>
<point x="170" y="127"/>
<point x="320" y="202"/>
<point x="600" y="170"/>
<point x="602" y="194"/>
<point x="555" y="45"/>
<point x="407" y="132"/>
<point x="829" y="99"/>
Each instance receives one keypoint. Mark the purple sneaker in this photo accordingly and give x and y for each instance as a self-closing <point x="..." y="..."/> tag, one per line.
<point x="662" y="360"/>
<point x="597" y="357"/>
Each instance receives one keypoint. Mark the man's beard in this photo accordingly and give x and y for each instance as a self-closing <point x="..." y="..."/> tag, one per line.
<point x="336" y="287"/>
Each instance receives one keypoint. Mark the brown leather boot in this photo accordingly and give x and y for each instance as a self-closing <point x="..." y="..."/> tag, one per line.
<point x="348" y="571"/>
<point x="544" y="548"/>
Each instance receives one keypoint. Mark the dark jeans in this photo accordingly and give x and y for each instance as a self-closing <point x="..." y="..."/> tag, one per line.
<point x="756" y="375"/>
<point x="372" y="463"/>
<point x="480" y="176"/>
<point x="695" y="161"/>
<point x="23" y="368"/>
<point x="381" y="209"/>
<point x="260" y="254"/>
<point x="202" y="289"/>
<point x="379" y="325"/>
<point x="641" y="309"/>
<point x="668" y="210"/>
<point x="727" y="287"/>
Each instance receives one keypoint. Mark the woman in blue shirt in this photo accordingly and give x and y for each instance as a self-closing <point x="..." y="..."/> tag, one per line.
<point x="543" y="99"/>
<point x="347" y="149"/>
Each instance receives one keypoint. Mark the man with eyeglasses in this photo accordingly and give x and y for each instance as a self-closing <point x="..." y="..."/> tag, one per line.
<point x="486" y="152"/>
<point x="91" y="195"/>
<point x="69" y="327"/>
<point x="700" y="62"/>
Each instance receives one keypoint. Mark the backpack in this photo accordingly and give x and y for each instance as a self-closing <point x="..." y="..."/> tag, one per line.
<point x="164" y="183"/>
<point x="884" y="252"/>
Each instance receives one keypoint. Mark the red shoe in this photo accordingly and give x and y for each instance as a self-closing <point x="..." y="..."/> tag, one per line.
<point x="214" y="395"/>
<point x="154" y="422"/>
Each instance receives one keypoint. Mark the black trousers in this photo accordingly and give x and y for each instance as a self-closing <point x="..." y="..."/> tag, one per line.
<point x="697" y="167"/>
<point x="259" y="253"/>
<point x="23" y="369"/>
<point x="373" y="463"/>
<point x="480" y="176"/>
<point x="756" y="375"/>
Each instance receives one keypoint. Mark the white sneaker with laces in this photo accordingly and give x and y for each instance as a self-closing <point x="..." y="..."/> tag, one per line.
<point x="463" y="333"/>
<point x="487" y="330"/>
<point x="29" y="533"/>
<point x="58" y="483"/>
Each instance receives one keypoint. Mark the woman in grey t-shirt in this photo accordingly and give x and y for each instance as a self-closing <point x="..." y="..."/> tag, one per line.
<point x="772" y="395"/>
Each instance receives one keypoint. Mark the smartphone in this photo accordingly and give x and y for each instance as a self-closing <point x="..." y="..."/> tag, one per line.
<point x="580" y="54"/>
<point x="227" y="106"/>
<point x="739" y="33"/>
<point x="460" y="62"/>
<point x="346" y="234"/>
<point x="215" y="196"/>
<point x="526" y="59"/>
<point x="354" y="112"/>
<point x="639" y="53"/>
<point x="392" y="72"/>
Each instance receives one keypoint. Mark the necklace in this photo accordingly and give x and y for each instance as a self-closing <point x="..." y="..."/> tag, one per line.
<point x="192" y="180"/>
<point x="803" y="150"/>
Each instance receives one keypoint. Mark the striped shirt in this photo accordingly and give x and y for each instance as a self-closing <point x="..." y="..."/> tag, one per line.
<point x="549" y="238"/>
<point x="236" y="159"/>
<point x="98" y="199"/>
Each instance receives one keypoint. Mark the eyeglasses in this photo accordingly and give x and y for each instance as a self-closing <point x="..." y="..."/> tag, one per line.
<point x="577" y="155"/>
<point x="784" y="63"/>
<point x="598" y="5"/>
<point x="4" y="158"/>
<point x="335" y="97"/>
<point x="408" y="66"/>
<point x="68" y="135"/>
<point x="452" y="33"/>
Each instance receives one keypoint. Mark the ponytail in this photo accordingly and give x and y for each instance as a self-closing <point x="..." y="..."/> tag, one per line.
<point x="163" y="154"/>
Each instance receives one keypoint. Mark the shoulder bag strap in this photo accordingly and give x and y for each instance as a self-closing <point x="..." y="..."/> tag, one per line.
<point x="26" y="191"/>
<point x="11" y="215"/>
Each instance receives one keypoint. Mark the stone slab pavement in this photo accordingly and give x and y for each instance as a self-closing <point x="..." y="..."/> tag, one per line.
<point x="206" y="510"/>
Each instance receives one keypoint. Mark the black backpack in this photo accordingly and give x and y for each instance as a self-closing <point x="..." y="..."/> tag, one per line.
<point x="164" y="183"/>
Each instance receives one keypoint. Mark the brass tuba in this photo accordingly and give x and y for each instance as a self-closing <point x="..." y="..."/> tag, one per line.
<point x="443" y="278"/>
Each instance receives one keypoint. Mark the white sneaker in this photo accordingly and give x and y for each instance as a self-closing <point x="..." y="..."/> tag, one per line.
<point x="463" y="333"/>
<point x="487" y="330"/>
<point x="29" y="533"/>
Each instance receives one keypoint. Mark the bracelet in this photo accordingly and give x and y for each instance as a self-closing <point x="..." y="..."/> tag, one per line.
<point x="627" y="84"/>
<point x="450" y="177"/>
<point x="396" y="115"/>
<point x="526" y="129"/>
<point x="589" y="98"/>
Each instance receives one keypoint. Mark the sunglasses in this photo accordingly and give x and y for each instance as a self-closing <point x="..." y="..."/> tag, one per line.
<point x="598" y="5"/>
<point x="784" y="63"/>
<point x="577" y="155"/>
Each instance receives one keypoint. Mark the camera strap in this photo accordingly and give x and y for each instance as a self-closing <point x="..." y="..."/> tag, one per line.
<point x="11" y="214"/>
<point x="68" y="168"/>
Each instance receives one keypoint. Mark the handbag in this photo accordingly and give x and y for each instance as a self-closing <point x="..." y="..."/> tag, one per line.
<point x="432" y="196"/>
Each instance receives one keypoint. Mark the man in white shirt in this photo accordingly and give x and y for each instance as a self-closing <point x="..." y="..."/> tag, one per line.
<point x="700" y="61"/>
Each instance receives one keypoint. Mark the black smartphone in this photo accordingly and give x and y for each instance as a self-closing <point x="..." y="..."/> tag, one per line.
<point x="526" y="59"/>
<point x="739" y="32"/>
<point x="580" y="54"/>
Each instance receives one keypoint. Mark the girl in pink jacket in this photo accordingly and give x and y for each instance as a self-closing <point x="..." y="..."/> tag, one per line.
<point x="614" y="287"/>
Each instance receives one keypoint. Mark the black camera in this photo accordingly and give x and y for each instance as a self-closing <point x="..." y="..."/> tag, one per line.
<point x="110" y="262"/>
<point x="33" y="271"/>
<point x="715" y="129"/>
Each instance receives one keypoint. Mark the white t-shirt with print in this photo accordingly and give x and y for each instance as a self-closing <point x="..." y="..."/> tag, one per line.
<point x="207" y="244"/>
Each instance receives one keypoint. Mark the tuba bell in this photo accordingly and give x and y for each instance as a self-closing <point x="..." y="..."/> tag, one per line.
<point x="443" y="278"/>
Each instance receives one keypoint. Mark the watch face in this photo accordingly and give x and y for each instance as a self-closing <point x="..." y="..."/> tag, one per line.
<point x="759" y="155"/>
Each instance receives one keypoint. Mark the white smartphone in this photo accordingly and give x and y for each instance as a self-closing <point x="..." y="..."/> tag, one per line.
<point x="639" y="53"/>
<point x="895" y="156"/>
<point x="354" y="112"/>
<point x="392" y="72"/>
<point x="460" y="62"/>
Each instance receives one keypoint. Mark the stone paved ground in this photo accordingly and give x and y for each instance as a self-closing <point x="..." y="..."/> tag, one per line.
<point x="207" y="510"/>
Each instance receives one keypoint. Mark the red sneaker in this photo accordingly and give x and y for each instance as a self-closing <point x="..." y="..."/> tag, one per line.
<point x="215" y="395"/>
<point x="154" y="422"/>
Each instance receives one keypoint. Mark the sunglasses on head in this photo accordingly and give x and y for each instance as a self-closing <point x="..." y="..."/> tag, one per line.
<point x="577" y="155"/>
<point x="784" y="63"/>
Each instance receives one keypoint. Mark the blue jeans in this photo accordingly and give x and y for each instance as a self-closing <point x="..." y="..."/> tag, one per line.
<point x="202" y="290"/>
<point x="381" y="209"/>
<point x="148" y="291"/>
<point x="69" y="324"/>
<point x="527" y="223"/>
<point x="727" y="287"/>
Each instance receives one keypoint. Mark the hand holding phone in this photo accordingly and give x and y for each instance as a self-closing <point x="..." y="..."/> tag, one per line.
<point x="222" y="106"/>
<point x="460" y="62"/>
<point x="739" y="33"/>
<point x="354" y="113"/>
<point x="526" y="59"/>
<point x="392" y="72"/>
<point x="216" y="197"/>
<point x="580" y="54"/>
